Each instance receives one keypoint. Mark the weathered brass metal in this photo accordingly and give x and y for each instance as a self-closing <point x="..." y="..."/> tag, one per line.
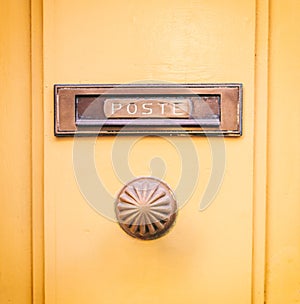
<point x="196" y="109"/>
<point x="146" y="208"/>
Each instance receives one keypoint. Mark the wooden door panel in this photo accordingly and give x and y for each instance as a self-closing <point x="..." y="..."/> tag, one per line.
<point x="207" y="257"/>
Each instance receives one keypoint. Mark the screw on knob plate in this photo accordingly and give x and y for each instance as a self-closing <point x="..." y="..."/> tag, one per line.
<point x="146" y="208"/>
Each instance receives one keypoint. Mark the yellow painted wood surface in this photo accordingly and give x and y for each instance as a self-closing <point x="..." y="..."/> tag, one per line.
<point x="15" y="152"/>
<point x="37" y="150"/>
<point x="283" y="224"/>
<point x="215" y="256"/>
<point x="207" y="257"/>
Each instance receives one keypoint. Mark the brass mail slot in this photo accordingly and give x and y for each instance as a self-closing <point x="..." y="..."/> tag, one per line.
<point x="196" y="109"/>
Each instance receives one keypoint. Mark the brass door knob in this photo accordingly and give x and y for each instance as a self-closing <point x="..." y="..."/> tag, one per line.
<point x="146" y="208"/>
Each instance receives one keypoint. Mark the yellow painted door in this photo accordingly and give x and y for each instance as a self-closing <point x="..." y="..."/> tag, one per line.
<point x="243" y="247"/>
<point x="207" y="256"/>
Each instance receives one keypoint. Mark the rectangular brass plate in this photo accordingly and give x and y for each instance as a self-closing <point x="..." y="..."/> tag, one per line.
<point x="187" y="109"/>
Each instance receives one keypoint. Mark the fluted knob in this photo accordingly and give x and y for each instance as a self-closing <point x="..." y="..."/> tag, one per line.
<point x="146" y="208"/>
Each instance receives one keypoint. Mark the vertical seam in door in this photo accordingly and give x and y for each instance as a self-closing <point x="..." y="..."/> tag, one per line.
<point x="267" y="148"/>
<point x="31" y="148"/>
<point x="37" y="150"/>
<point x="260" y="150"/>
